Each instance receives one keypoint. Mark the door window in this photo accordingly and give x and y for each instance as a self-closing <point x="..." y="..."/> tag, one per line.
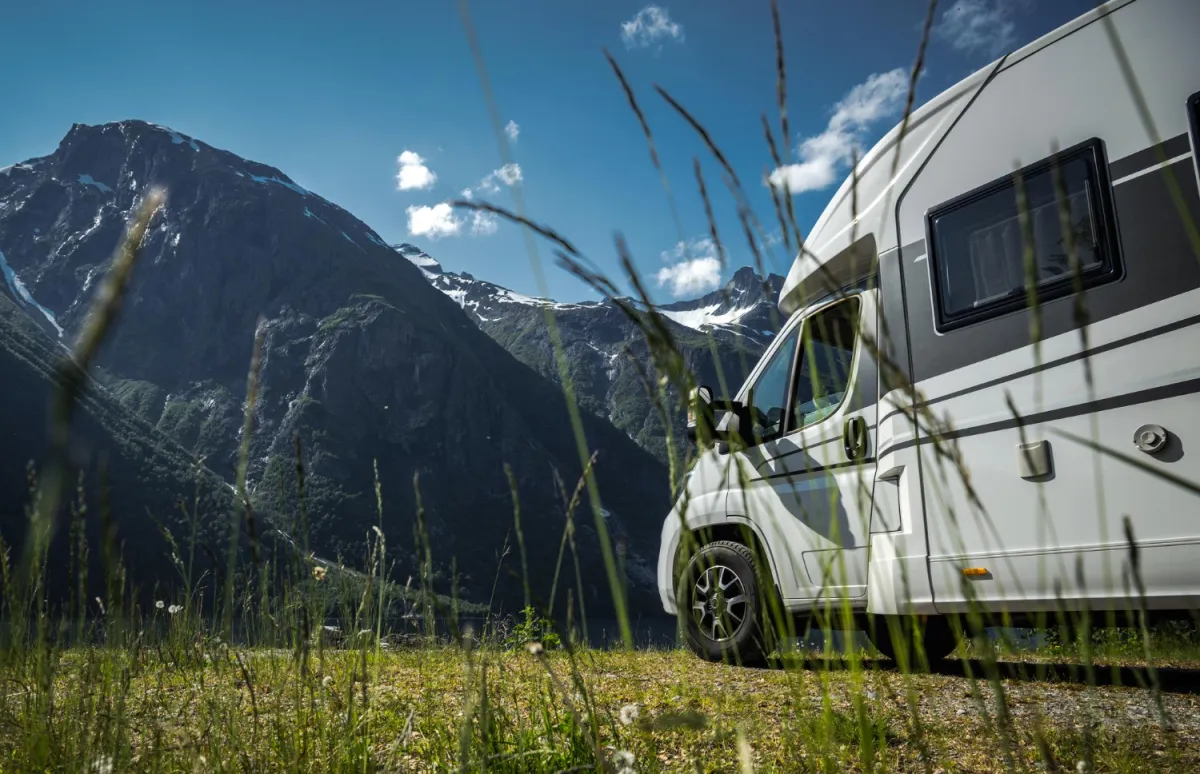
<point x="767" y="399"/>
<point x="826" y="359"/>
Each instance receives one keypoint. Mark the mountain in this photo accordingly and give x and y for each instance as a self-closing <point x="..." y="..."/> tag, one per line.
<point x="124" y="467"/>
<point x="598" y="339"/>
<point x="362" y="360"/>
<point x="746" y="305"/>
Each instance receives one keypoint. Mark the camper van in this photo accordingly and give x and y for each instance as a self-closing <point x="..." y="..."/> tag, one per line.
<point x="985" y="392"/>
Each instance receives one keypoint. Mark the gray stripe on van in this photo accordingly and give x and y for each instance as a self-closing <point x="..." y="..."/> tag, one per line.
<point x="1158" y="260"/>
<point x="1137" y="398"/>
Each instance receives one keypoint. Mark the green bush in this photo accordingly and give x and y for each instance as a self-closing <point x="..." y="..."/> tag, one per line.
<point x="534" y="628"/>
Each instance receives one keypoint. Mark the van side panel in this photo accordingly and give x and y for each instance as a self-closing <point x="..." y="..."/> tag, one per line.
<point x="1129" y="359"/>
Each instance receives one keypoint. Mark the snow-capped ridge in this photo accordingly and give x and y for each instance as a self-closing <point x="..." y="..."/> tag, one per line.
<point x="746" y="303"/>
<point x="743" y="306"/>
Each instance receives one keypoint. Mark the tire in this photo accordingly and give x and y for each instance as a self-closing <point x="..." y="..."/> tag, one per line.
<point x="739" y="636"/>
<point x="931" y="643"/>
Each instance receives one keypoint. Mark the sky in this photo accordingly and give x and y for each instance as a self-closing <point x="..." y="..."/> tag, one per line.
<point x="381" y="107"/>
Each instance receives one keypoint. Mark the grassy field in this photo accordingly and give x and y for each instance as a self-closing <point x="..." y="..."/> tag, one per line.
<point x="191" y="704"/>
<point x="165" y="692"/>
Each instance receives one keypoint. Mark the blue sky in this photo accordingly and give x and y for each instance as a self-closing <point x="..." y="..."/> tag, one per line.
<point x="338" y="95"/>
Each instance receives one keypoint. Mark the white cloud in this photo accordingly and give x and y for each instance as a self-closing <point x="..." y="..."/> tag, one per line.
<point x="413" y="174"/>
<point x="984" y="26"/>
<point x="433" y="222"/>
<point x="467" y="193"/>
<point x="509" y="174"/>
<point x="441" y="220"/>
<point x="651" y="25"/>
<point x="513" y="130"/>
<point x="822" y="155"/>
<point x="484" y="223"/>
<point x="694" y="268"/>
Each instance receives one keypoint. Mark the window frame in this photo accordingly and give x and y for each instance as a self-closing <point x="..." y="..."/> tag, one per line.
<point x="1104" y="221"/>
<point x="796" y="327"/>
<point x="790" y="427"/>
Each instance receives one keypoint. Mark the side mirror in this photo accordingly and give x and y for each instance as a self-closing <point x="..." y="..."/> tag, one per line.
<point x="731" y="427"/>
<point x="700" y="411"/>
<point x="704" y="408"/>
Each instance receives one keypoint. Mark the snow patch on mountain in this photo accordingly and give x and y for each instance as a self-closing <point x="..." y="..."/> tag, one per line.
<point x="506" y="296"/>
<point x="22" y="293"/>
<point x="280" y="181"/>
<point x="23" y="166"/>
<point x="89" y="180"/>
<point x="418" y="258"/>
<point x="176" y="137"/>
<point x="706" y="316"/>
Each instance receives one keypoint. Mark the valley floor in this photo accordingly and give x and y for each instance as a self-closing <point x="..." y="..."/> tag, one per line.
<point x="444" y="709"/>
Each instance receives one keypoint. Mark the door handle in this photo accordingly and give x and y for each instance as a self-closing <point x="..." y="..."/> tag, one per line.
<point x="854" y="438"/>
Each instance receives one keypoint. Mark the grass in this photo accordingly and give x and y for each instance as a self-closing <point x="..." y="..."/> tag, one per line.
<point x="238" y="674"/>
<point x="196" y="704"/>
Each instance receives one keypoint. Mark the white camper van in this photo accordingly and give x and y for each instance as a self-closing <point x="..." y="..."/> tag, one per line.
<point x="904" y="447"/>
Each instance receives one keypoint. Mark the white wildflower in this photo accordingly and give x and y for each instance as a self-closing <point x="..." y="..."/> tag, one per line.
<point x="173" y="609"/>
<point x="319" y="573"/>
<point x="535" y="648"/>
<point x="159" y="604"/>
<point x="327" y="681"/>
<point x="628" y="714"/>
<point x="623" y="760"/>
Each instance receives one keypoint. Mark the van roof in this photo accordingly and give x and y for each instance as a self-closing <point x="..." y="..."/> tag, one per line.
<point x="857" y="215"/>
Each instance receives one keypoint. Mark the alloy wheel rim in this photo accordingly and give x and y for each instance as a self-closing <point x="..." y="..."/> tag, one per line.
<point x="720" y="605"/>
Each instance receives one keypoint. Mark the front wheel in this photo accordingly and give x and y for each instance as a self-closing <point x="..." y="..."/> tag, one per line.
<point x="722" y="595"/>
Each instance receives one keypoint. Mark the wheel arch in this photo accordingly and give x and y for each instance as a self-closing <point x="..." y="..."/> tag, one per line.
<point x="732" y="529"/>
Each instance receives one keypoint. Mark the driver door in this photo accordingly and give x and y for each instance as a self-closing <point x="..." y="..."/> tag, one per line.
<point x="807" y="480"/>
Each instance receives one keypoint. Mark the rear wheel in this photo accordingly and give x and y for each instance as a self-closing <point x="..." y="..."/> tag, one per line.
<point x="932" y="640"/>
<point x="723" y="596"/>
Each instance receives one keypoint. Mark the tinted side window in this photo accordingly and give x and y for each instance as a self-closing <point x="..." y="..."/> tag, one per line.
<point x="989" y="247"/>
<point x="768" y="396"/>
<point x="826" y="359"/>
